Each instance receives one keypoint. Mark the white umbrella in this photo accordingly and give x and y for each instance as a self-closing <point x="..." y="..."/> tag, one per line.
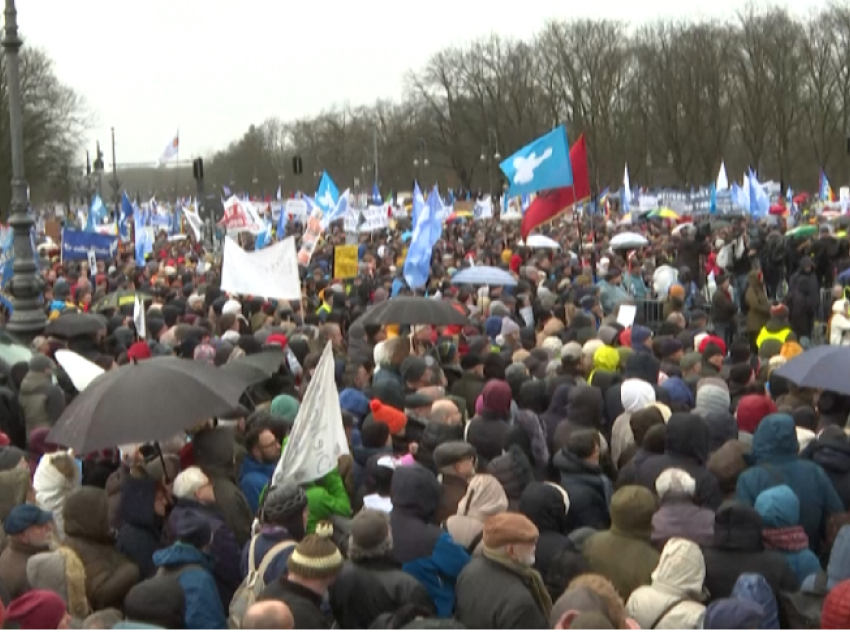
<point x="542" y="242"/>
<point x="484" y="275"/>
<point x="508" y="217"/>
<point x="681" y="228"/>
<point x="628" y="241"/>
<point x="81" y="371"/>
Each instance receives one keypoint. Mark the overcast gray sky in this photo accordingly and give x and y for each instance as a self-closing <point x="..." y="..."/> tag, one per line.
<point x="135" y="60"/>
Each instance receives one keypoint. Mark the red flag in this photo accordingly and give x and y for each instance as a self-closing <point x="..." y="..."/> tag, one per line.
<point x="551" y="203"/>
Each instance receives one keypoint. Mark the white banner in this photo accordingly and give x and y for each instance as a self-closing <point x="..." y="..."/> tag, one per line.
<point x="351" y="221"/>
<point x="317" y="439"/>
<point x="269" y="273"/>
<point x="483" y="209"/>
<point x="374" y="218"/>
<point x="296" y="208"/>
<point x="195" y="223"/>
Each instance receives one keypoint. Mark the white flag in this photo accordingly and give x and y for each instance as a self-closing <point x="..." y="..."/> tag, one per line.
<point x="171" y="149"/>
<point x="195" y="223"/>
<point x="139" y="318"/>
<point x="317" y="439"/>
<point x="269" y="273"/>
<point x="722" y="179"/>
<point x="627" y="190"/>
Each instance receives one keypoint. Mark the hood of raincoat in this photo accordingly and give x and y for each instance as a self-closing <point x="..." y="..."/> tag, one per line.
<point x="681" y="569"/>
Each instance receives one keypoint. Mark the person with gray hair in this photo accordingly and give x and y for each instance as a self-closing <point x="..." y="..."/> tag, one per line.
<point x="103" y="619"/>
<point x="678" y="515"/>
<point x="372" y="582"/>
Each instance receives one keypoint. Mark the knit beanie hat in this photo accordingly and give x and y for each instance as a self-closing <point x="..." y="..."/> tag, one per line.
<point x="836" y="608"/>
<point x="37" y="609"/>
<point x="677" y="291"/>
<point x="393" y="418"/>
<point x="370" y="535"/>
<point x="316" y="557"/>
<point x="139" y="351"/>
<point x="607" y="334"/>
<point x="285" y="406"/>
<point x="713" y="395"/>
<point x="779" y="312"/>
<point x="508" y="527"/>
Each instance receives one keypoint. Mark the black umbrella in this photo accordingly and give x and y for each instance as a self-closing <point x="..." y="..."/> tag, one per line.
<point x="413" y="311"/>
<point x="826" y="367"/>
<point x="73" y="325"/>
<point x="149" y="401"/>
<point x="256" y="367"/>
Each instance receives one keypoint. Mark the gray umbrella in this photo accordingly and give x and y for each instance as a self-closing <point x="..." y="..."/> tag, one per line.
<point x="413" y="311"/>
<point x="257" y="367"/>
<point x="148" y="401"/>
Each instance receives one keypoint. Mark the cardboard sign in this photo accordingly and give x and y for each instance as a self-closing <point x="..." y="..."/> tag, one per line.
<point x="345" y="261"/>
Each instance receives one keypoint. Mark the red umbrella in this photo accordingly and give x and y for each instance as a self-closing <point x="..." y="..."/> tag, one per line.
<point x="801" y="198"/>
<point x="777" y="209"/>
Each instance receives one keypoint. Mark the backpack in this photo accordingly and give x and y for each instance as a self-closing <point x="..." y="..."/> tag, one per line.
<point x="802" y="610"/>
<point x="250" y="589"/>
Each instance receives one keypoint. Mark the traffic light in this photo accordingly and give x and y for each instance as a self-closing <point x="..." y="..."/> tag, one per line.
<point x="297" y="165"/>
<point x="198" y="169"/>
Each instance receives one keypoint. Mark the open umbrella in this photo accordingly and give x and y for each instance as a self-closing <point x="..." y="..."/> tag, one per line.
<point x="81" y="371"/>
<point x="483" y="275"/>
<point x="826" y="367"/>
<point x="413" y="311"/>
<point x="801" y="198"/>
<point x="664" y="213"/>
<point x="119" y="299"/>
<point x="778" y="209"/>
<point x="257" y="367"/>
<point x="628" y="241"/>
<point x="542" y="242"/>
<point x="147" y="401"/>
<point x="681" y="228"/>
<point x="73" y="325"/>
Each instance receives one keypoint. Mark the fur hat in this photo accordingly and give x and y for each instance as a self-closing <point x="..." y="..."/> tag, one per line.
<point x="316" y="557"/>
<point x="62" y="572"/>
<point x="370" y="535"/>
<point x="508" y="527"/>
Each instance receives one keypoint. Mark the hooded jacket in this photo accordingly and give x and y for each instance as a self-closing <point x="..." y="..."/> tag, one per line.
<point x="424" y="550"/>
<point x="556" y="413"/>
<point x="13" y="565"/>
<point x="738" y="548"/>
<point x="776" y="462"/>
<point x="584" y="413"/>
<point x="833" y="455"/>
<point x="838" y="568"/>
<point x="484" y="498"/>
<point x="686" y="447"/>
<point x="469" y="387"/>
<point x="623" y="553"/>
<point x="193" y="571"/>
<point x="514" y="472"/>
<point x="678" y="516"/>
<point x="14" y="487"/>
<point x="677" y="579"/>
<point x="758" y="304"/>
<point x="52" y="488"/>
<point x="780" y="509"/>
<point x="109" y="574"/>
<point x="755" y="588"/>
<point x="839" y="324"/>
<point x="141" y="533"/>
<point x="41" y="401"/>
<point x="589" y="490"/>
<point x="213" y="451"/>
<point x="254" y="476"/>
<point x="545" y="507"/>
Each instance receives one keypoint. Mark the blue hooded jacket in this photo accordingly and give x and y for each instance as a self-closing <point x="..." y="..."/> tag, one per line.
<point x="754" y="587"/>
<point x="838" y="569"/>
<point x="203" y="605"/>
<point x="774" y="462"/>
<point x="779" y="508"/>
<point x="253" y="478"/>
<point x="425" y="551"/>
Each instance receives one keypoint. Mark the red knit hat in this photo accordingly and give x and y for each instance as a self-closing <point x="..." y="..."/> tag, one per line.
<point x="37" y="609"/>
<point x="393" y="418"/>
<point x="836" y="608"/>
<point x="752" y="409"/>
<point x="713" y="339"/>
<point x="278" y="339"/>
<point x="139" y="351"/>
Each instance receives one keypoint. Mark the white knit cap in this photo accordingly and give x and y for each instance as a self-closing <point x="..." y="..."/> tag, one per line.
<point x="187" y="483"/>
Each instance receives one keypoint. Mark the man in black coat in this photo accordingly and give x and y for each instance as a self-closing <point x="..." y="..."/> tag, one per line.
<point x="831" y="451"/>
<point x="589" y="490"/>
<point x="738" y="549"/>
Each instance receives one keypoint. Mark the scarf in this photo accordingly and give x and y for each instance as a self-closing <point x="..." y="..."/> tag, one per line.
<point x="792" y="539"/>
<point x="531" y="577"/>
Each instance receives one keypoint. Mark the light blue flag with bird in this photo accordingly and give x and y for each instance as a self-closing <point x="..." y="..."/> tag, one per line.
<point x="98" y="210"/>
<point x="418" y="204"/>
<point x="417" y="265"/>
<point x="327" y="195"/>
<point x="264" y="237"/>
<point x="338" y="211"/>
<point x="759" y="201"/>
<point x="144" y="243"/>
<point x="543" y="164"/>
<point x="377" y="199"/>
<point x="125" y="213"/>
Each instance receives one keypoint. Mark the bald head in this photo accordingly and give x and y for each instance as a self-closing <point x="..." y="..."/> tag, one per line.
<point x="268" y="615"/>
<point x="445" y="412"/>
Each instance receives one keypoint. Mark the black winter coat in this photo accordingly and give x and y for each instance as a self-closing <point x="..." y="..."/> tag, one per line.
<point x="686" y="447"/>
<point x="584" y="412"/>
<point x="738" y="549"/>
<point x="367" y="588"/>
<point x="833" y="455"/>
<point x="514" y="472"/>
<point x="590" y="492"/>
<point x="141" y="534"/>
<point x="304" y="604"/>
<point x="486" y="432"/>
<point x="544" y="506"/>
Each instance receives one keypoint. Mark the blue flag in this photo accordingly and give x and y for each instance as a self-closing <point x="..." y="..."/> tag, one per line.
<point x="543" y="164"/>
<point x="264" y="237"/>
<point x="712" y="206"/>
<point x="327" y="195"/>
<point x="377" y="199"/>
<point x="98" y="210"/>
<point x="426" y="232"/>
<point x="759" y="201"/>
<point x="280" y="230"/>
<point x="418" y="204"/>
<point x="125" y="213"/>
<point x="144" y="243"/>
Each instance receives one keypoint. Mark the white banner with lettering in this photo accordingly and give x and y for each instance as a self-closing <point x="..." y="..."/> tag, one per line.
<point x="269" y="273"/>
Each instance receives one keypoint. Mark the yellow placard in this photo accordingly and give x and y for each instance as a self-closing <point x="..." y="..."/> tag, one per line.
<point x="345" y="261"/>
<point x="399" y="261"/>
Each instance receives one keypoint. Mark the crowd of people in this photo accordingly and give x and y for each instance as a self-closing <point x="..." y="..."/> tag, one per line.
<point x="537" y="465"/>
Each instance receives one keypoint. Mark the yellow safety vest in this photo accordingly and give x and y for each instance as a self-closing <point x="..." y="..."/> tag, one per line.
<point x="324" y="306"/>
<point x="764" y="334"/>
